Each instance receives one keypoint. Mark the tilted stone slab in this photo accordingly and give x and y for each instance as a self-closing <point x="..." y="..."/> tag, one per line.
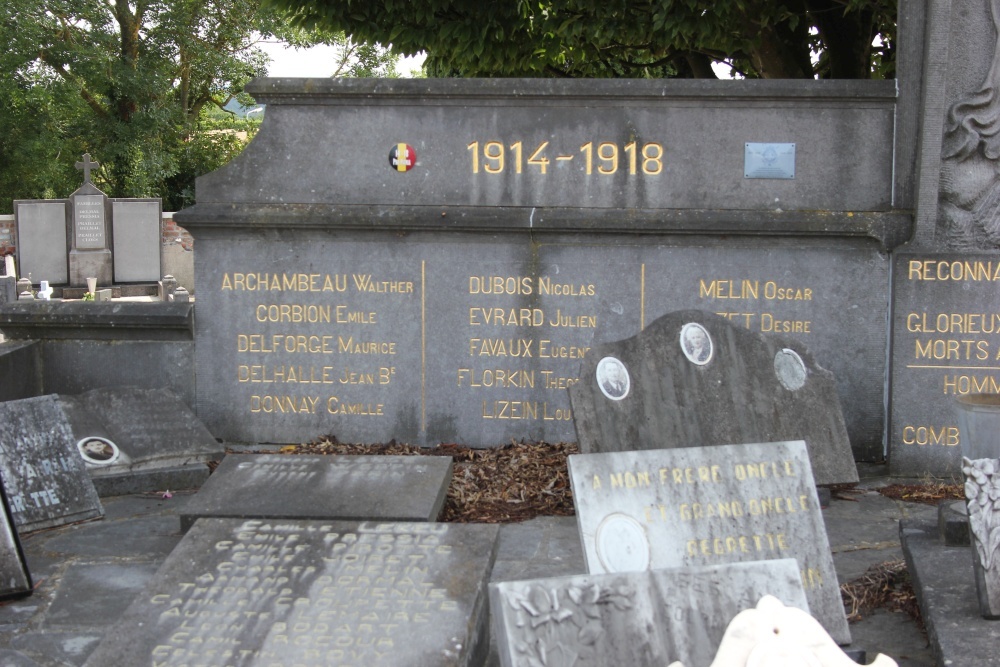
<point x="15" y="579"/>
<point x="635" y="618"/>
<point x="692" y="378"/>
<point x="281" y="486"/>
<point x="43" y="472"/>
<point x="150" y="428"/>
<point x="705" y="506"/>
<point x="312" y="593"/>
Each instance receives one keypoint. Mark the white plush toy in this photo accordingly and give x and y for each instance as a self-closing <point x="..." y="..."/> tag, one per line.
<point x="773" y="635"/>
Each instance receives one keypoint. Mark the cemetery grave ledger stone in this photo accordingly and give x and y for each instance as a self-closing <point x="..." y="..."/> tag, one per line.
<point x="638" y="618"/>
<point x="312" y="593"/>
<point x="43" y="473"/>
<point x="689" y="506"/>
<point x="692" y="378"/>
<point x="453" y="295"/>
<point x="280" y="486"/>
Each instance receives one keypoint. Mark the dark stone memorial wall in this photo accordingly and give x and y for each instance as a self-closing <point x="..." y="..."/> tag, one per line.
<point x="945" y="314"/>
<point x="431" y="260"/>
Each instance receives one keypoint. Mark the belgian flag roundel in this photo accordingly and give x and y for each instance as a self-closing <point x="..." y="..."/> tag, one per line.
<point x="402" y="157"/>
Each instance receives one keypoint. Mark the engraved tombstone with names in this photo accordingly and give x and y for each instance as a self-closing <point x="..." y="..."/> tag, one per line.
<point x="693" y="506"/>
<point x="89" y="254"/>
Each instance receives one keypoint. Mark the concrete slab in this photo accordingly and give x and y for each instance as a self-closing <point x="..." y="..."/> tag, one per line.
<point x="946" y="589"/>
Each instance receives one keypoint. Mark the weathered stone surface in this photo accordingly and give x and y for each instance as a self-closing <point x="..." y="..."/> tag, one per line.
<point x="636" y="618"/>
<point x="945" y="342"/>
<point x="454" y="359"/>
<point x="469" y="222"/>
<point x="279" y="486"/>
<point x="982" y="478"/>
<point x="151" y="427"/>
<point x="15" y="579"/>
<point x="312" y="593"/>
<point x="43" y="473"/>
<point x="690" y="506"/>
<point x="698" y="379"/>
<point x="945" y="586"/>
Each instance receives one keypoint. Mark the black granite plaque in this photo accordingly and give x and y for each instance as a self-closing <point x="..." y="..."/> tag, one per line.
<point x="945" y="344"/>
<point x="312" y="593"/>
<point x="692" y="378"/>
<point x="15" y="579"/>
<point x="705" y="506"/>
<point x="636" y="618"/>
<point x="43" y="473"/>
<point x="280" y="486"/>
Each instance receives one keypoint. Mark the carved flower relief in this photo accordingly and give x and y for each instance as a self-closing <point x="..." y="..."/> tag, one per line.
<point x="559" y="627"/>
<point x="982" y="493"/>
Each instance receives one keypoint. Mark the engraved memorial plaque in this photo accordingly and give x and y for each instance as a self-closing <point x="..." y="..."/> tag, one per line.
<point x="281" y="486"/>
<point x="312" y="593"/>
<point x="88" y="222"/>
<point x="707" y="506"/>
<point x="769" y="161"/>
<point x="46" y="481"/>
<point x="649" y="619"/>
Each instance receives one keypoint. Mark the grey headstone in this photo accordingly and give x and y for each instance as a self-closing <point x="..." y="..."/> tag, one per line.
<point x="44" y="475"/>
<point x="697" y="379"/>
<point x="41" y="240"/>
<point x="312" y="593"/>
<point x="15" y="579"/>
<point x="151" y="428"/>
<point x="705" y="506"/>
<point x="945" y="344"/>
<point x="138" y="237"/>
<point x="638" y="618"/>
<point x="8" y="289"/>
<point x="279" y="486"/>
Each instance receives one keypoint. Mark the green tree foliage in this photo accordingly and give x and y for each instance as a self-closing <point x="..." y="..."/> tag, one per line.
<point x="141" y="85"/>
<point x="622" y="38"/>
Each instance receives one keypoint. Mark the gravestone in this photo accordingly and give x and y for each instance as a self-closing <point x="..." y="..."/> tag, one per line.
<point x="693" y="378"/>
<point x="286" y="487"/>
<point x="636" y="618"/>
<point x="653" y="509"/>
<point x="138" y="234"/>
<point x="15" y="579"/>
<point x="312" y="593"/>
<point x="42" y="242"/>
<point x="945" y="327"/>
<point x="89" y="235"/>
<point x="159" y="441"/>
<point x="90" y="238"/>
<point x="43" y="473"/>
<point x="587" y="210"/>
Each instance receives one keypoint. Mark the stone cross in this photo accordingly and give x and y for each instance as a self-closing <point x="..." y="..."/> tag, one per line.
<point x="87" y="165"/>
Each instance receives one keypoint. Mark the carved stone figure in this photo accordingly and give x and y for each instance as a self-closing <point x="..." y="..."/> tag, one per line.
<point x="969" y="210"/>
<point x="982" y="493"/>
<point x="773" y="635"/>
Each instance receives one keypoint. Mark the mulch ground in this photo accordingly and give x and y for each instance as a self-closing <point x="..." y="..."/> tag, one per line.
<point x="523" y="480"/>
